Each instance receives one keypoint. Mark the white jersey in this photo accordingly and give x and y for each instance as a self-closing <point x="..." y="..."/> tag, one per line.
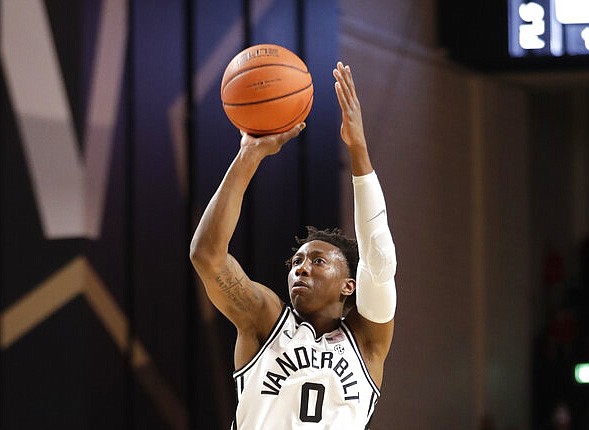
<point x="299" y="381"/>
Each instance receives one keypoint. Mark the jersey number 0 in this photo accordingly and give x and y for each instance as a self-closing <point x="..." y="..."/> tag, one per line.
<point x="312" y="394"/>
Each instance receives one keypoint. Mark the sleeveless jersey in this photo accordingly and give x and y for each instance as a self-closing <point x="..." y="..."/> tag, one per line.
<point x="299" y="381"/>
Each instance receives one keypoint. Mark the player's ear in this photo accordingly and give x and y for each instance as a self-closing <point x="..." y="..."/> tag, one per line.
<point x="349" y="287"/>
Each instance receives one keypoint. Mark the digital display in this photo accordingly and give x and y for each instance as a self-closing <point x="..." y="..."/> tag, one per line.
<point x="582" y="373"/>
<point x="548" y="28"/>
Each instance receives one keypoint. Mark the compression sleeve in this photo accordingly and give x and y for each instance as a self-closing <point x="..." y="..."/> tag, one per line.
<point x="376" y="295"/>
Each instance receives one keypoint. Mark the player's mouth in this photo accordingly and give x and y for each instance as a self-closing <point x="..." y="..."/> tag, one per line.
<point x="299" y="286"/>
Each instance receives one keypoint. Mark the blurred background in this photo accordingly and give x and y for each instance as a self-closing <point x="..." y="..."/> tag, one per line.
<point x="113" y="139"/>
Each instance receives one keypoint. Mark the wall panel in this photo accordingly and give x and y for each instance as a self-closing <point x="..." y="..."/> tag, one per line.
<point x="113" y="108"/>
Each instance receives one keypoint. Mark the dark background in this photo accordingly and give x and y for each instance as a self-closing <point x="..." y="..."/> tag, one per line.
<point x="67" y="371"/>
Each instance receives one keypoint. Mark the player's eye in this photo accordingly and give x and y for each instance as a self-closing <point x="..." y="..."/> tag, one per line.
<point x="296" y="261"/>
<point x="319" y="261"/>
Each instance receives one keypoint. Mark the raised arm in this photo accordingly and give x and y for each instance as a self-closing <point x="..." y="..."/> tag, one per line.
<point x="248" y="305"/>
<point x="372" y="320"/>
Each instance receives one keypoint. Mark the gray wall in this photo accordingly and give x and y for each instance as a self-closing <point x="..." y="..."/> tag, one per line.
<point x="457" y="153"/>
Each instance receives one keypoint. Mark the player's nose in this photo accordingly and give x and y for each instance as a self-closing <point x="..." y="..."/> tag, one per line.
<point x="303" y="269"/>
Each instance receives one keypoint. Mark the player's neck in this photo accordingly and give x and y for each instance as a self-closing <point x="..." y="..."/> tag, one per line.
<point x="322" y="322"/>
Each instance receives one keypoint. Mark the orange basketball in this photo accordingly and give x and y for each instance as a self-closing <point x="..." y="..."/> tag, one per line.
<point x="266" y="89"/>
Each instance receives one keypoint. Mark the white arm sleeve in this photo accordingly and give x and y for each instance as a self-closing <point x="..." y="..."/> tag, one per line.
<point x="376" y="295"/>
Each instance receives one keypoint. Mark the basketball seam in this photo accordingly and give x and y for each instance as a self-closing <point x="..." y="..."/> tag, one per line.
<point x="270" y="99"/>
<point x="254" y="130"/>
<point x="242" y="71"/>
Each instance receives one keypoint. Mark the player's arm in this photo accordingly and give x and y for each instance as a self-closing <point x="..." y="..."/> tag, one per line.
<point x="247" y="304"/>
<point x="372" y="319"/>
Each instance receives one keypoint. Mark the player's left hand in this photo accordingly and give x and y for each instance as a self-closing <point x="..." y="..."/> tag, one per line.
<point x="352" y="129"/>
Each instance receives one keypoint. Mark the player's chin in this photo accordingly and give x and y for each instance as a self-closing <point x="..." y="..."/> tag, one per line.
<point x="299" y="300"/>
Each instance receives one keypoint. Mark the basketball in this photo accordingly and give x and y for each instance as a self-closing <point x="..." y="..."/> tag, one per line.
<point x="266" y="89"/>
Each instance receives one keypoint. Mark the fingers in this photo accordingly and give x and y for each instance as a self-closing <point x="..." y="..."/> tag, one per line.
<point x="344" y="75"/>
<point x="277" y="141"/>
<point x="344" y="86"/>
<point x="269" y="144"/>
<point x="293" y="132"/>
<point x="340" y="90"/>
<point x="340" y="97"/>
<point x="289" y="134"/>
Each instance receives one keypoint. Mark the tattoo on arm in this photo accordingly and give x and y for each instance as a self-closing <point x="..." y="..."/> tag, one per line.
<point x="230" y="282"/>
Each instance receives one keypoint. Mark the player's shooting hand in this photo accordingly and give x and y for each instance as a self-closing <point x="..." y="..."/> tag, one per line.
<point x="270" y="144"/>
<point x="352" y="129"/>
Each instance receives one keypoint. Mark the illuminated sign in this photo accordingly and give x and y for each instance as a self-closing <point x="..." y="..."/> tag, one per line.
<point x="582" y="373"/>
<point x="548" y="28"/>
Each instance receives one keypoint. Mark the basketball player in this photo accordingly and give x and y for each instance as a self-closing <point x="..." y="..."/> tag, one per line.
<point x="306" y="365"/>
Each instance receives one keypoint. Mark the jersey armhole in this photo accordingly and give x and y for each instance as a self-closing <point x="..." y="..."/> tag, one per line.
<point x="354" y="344"/>
<point x="273" y="333"/>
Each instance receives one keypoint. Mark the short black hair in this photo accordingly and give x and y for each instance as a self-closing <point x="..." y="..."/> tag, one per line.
<point x="334" y="236"/>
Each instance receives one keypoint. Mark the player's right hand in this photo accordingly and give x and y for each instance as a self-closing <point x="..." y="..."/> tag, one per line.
<point x="269" y="144"/>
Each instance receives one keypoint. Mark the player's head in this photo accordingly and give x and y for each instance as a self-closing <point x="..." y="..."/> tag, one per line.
<point x="347" y="246"/>
<point x="325" y="264"/>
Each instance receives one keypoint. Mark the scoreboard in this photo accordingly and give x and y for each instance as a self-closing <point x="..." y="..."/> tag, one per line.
<point x="548" y="28"/>
<point x="500" y="35"/>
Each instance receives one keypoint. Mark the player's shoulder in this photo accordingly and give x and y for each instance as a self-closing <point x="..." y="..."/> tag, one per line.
<point x="373" y="339"/>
